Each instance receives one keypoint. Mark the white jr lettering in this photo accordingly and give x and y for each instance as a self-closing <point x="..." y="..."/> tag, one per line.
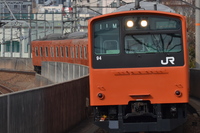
<point x="168" y="59"/>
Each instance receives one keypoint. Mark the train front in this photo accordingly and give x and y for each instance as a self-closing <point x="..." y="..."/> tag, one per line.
<point x="138" y="71"/>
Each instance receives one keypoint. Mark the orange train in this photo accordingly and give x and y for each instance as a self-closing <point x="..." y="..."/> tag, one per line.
<point x="71" y="48"/>
<point x="138" y="64"/>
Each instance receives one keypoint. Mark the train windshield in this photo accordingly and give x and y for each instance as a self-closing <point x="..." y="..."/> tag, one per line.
<point x="143" y="34"/>
<point x="106" y="36"/>
<point x="137" y="40"/>
<point x="153" y="43"/>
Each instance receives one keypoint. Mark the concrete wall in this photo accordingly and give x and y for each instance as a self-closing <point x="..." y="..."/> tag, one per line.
<point x="51" y="109"/>
<point x="195" y="83"/>
<point x="54" y="108"/>
<point x="42" y="81"/>
<point x="52" y="72"/>
<point x="24" y="64"/>
<point x="60" y="72"/>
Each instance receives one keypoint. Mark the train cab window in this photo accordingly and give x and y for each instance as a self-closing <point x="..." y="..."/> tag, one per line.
<point x="85" y="52"/>
<point x="46" y="51"/>
<point x="41" y="52"/>
<point x="153" y="43"/>
<point x="67" y="51"/>
<point x="52" y="51"/>
<point x="106" y="37"/>
<point x="81" y="52"/>
<point x="111" y="46"/>
<point x="134" y="45"/>
<point x="72" y="52"/>
<point x="57" y="52"/>
<point x="61" y="51"/>
<point x="76" y="51"/>
<point x="36" y="51"/>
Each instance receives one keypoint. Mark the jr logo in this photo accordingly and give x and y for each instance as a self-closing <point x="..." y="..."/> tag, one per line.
<point x="168" y="59"/>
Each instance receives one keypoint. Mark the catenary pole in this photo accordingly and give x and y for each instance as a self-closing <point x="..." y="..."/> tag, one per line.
<point x="118" y="3"/>
<point x="197" y="29"/>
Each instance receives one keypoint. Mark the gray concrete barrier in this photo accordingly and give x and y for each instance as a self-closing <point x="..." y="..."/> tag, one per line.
<point x="42" y="81"/>
<point x="24" y="64"/>
<point x="52" y="109"/>
<point x="195" y="83"/>
<point x="61" y="72"/>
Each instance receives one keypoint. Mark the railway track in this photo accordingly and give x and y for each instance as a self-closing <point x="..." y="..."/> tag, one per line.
<point x="4" y="89"/>
<point x="16" y="71"/>
<point x="12" y="80"/>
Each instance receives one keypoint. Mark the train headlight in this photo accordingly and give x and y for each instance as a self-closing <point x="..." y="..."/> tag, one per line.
<point x="144" y="23"/>
<point x="129" y="23"/>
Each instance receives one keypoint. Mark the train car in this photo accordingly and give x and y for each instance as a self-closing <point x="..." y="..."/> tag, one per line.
<point x="71" y="49"/>
<point x="138" y="63"/>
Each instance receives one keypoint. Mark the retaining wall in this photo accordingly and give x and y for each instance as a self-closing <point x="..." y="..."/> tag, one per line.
<point x="51" y="109"/>
<point x="24" y="64"/>
<point x="195" y="83"/>
<point x="61" y="72"/>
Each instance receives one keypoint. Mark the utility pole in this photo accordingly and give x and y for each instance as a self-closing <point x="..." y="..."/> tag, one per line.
<point x="29" y="31"/>
<point x="197" y="29"/>
<point x="75" y="16"/>
<point x="118" y="3"/>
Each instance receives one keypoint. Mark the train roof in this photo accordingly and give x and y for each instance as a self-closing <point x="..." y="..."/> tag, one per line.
<point x="145" y="6"/>
<point x="59" y="36"/>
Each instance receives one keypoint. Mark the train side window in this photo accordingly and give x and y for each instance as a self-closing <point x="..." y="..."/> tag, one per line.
<point x="61" y="51"/>
<point x="46" y="51"/>
<point x="67" y="51"/>
<point x="76" y="51"/>
<point x="57" y="53"/>
<point x="80" y="51"/>
<point x="72" y="52"/>
<point x="36" y="51"/>
<point x="52" y="52"/>
<point x="85" y="52"/>
<point x="41" y="54"/>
